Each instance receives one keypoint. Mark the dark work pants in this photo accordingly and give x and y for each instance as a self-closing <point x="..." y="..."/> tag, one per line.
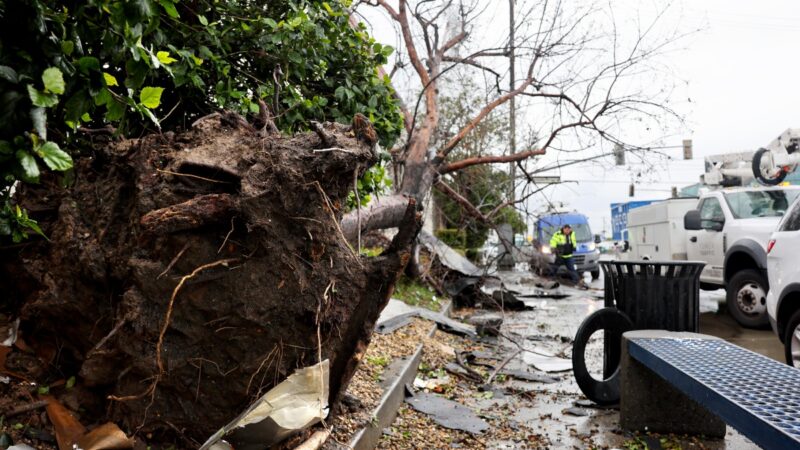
<point x="570" y="263"/>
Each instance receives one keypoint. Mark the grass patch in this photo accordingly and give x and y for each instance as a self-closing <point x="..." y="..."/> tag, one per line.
<point x="414" y="293"/>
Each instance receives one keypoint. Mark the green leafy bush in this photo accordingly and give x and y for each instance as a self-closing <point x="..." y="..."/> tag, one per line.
<point x="145" y="65"/>
<point x="453" y="237"/>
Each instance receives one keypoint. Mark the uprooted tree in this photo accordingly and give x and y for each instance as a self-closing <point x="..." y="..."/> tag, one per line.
<point x="183" y="255"/>
<point x="583" y="82"/>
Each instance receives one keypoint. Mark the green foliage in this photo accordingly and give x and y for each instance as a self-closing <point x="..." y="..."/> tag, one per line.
<point x="375" y="181"/>
<point x="453" y="237"/>
<point x="141" y="65"/>
<point x="484" y="186"/>
<point x="415" y="293"/>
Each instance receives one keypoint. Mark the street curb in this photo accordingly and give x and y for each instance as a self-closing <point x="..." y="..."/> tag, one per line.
<point x="384" y="414"/>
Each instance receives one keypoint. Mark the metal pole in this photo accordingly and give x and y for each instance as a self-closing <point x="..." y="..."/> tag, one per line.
<point x="513" y="119"/>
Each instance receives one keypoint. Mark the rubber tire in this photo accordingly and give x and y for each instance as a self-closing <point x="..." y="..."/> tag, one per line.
<point x="595" y="274"/>
<point x="614" y="322"/>
<point x="757" y="170"/>
<point x="794" y="322"/>
<point x="740" y="278"/>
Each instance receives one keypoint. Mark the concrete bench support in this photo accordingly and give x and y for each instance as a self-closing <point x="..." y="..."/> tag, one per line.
<point x="649" y="403"/>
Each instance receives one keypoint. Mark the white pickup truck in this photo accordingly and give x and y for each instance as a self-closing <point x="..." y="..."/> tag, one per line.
<point x="729" y="230"/>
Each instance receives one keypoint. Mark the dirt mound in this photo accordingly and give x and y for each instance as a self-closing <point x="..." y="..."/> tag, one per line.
<point x="186" y="274"/>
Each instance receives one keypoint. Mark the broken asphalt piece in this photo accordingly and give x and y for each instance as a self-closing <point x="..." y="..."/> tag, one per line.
<point x="508" y="301"/>
<point x="586" y="403"/>
<point x="448" y="413"/>
<point x="529" y="376"/>
<point x="547" y="363"/>
<point x="298" y="402"/>
<point x="457" y="286"/>
<point x="460" y="371"/>
<point x="575" y="411"/>
<point x="449" y="257"/>
<point x="397" y="314"/>
<point x="487" y="324"/>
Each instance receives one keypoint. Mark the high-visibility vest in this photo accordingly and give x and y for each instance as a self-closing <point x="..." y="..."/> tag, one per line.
<point x="560" y="240"/>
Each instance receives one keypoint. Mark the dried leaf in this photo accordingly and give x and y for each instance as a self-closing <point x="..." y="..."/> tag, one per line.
<point x="105" y="437"/>
<point x="68" y="429"/>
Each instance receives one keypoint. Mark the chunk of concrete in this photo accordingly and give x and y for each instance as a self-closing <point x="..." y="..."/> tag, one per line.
<point x="487" y="324"/>
<point x="650" y="403"/>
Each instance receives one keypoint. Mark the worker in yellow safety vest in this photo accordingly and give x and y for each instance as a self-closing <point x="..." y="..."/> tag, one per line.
<point x="563" y="243"/>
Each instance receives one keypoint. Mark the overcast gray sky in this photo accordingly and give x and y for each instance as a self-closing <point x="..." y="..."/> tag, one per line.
<point x="735" y="82"/>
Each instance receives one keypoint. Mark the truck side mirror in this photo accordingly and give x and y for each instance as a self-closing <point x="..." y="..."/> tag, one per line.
<point x="597" y="239"/>
<point x="691" y="221"/>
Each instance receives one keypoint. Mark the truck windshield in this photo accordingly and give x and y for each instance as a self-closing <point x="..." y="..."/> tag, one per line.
<point x="582" y="232"/>
<point x="749" y="204"/>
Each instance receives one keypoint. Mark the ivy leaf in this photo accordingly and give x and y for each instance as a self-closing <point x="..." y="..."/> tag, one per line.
<point x="39" y="119"/>
<point x="53" y="80"/>
<point x="54" y="157"/>
<point x="150" y="97"/>
<point x="169" y="7"/>
<point x="8" y="74"/>
<point x="40" y="98"/>
<point x="29" y="167"/>
<point x="67" y="47"/>
<point x="165" y="58"/>
<point x="88" y="63"/>
<point x="110" y="80"/>
<point x="115" y="111"/>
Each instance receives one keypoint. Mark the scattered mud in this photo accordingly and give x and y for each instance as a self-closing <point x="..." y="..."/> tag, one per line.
<point x="186" y="274"/>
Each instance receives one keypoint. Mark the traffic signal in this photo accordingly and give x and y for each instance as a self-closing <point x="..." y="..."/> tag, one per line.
<point x="687" y="149"/>
<point x="630" y="190"/>
<point x="619" y="155"/>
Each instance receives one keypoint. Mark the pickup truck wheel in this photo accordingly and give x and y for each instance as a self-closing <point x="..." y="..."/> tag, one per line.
<point x="595" y="274"/>
<point x="747" y="298"/>
<point x="791" y="341"/>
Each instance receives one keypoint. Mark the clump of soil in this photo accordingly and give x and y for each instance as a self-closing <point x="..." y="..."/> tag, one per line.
<point x="186" y="274"/>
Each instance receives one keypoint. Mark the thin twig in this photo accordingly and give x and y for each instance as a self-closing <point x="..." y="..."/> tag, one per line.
<point x="333" y="149"/>
<point x="226" y="237"/>
<point x="210" y="180"/>
<point x="503" y="364"/>
<point x="358" y="206"/>
<point x="25" y="408"/>
<point x="174" y="260"/>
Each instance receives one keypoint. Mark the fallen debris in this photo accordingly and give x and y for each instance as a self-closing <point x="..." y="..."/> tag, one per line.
<point x="447" y="413"/>
<point x="487" y="324"/>
<point x="398" y="314"/>
<point x="529" y="376"/>
<point x="293" y="405"/>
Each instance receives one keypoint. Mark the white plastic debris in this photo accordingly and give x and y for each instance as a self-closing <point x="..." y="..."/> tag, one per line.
<point x="13" y="328"/>
<point x="293" y="405"/>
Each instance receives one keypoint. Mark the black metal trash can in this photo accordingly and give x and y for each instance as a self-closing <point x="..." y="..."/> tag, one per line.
<point x="639" y="295"/>
<point x="655" y="295"/>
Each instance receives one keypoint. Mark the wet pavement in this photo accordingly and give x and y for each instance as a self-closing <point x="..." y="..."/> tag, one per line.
<point x="548" y="329"/>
